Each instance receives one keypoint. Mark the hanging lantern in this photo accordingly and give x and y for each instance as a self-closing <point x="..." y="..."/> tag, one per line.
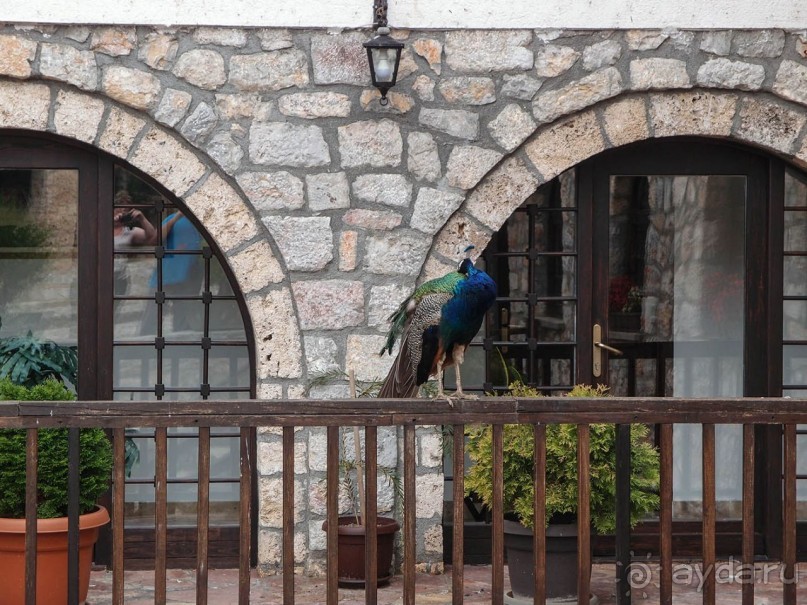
<point x="384" y="56"/>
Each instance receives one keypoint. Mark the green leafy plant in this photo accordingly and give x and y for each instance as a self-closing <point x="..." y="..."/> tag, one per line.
<point x="561" y="468"/>
<point x="95" y="461"/>
<point x="28" y="360"/>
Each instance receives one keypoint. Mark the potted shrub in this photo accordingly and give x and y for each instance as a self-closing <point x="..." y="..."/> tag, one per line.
<point x="351" y="528"/>
<point x="561" y="490"/>
<point x="95" y="467"/>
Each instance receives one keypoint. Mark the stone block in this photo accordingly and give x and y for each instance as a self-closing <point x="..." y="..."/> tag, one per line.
<point x="202" y="68"/>
<point x="220" y="36"/>
<point x="199" y="123"/>
<point x="431" y="50"/>
<point x="67" y="64"/>
<point x="396" y="253"/>
<point x="768" y="43"/>
<point x="223" y="212"/>
<point x="422" y="159"/>
<point x="658" y="73"/>
<point x="644" y="39"/>
<point x="16" y="56"/>
<point x="327" y="191"/>
<point x="114" y="41"/>
<point x="602" y="54"/>
<point x="270" y="191"/>
<point x="625" y="121"/>
<point x="495" y="199"/>
<point x="173" y="107"/>
<point x="455" y="122"/>
<point x="237" y="106"/>
<point x="468" y="90"/>
<point x="321" y="355"/>
<point x="716" y="42"/>
<point x="388" y="189"/>
<point x="133" y="87"/>
<point x="268" y="71"/>
<point x="459" y="232"/>
<point x="24" y="105"/>
<point x="277" y="338"/>
<point x="381" y="220"/>
<point x="306" y="243"/>
<point x="158" y="50"/>
<point x="362" y="355"/>
<point x="722" y="73"/>
<point x="578" y="95"/>
<point x="330" y="304"/>
<point x="423" y="87"/>
<point x="384" y="301"/>
<point x="226" y="151"/>
<point x="511" y="127"/>
<point x="270" y="457"/>
<point x="467" y="164"/>
<point x="348" y="250"/>
<point x="168" y="161"/>
<point x="430" y="495"/>
<point x="370" y="143"/>
<point x="340" y="59"/>
<point x="692" y="113"/>
<point x="770" y="125"/>
<point x="791" y="81"/>
<point x="520" y="86"/>
<point x="275" y="39"/>
<point x="77" y="115"/>
<point x="433" y="208"/>
<point x="256" y="267"/>
<point x="282" y="144"/>
<point x="552" y="60"/>
<point x="313" y="105"/>
<point x="486" y="51"/>
<point x="565" y="144"/>
<point x="120" y="131"/>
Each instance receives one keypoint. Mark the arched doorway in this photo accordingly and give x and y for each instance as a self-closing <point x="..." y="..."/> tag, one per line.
<point x="105" y="262"/>
<point x="687" y="256"/>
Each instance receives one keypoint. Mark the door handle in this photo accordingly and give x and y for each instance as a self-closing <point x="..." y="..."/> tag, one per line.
<point x="597" y="352"/>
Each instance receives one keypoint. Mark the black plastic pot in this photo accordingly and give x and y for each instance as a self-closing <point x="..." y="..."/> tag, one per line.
<point x="351" y="550"/>
<point x="561" y="560"/>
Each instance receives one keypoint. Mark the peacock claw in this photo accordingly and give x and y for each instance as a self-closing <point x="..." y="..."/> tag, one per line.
<point x="464" y="395"/>
<point x="445" y="397"/>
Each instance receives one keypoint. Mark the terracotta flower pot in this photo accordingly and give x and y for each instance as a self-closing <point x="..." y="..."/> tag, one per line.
<point x="351" y="550"/>
<point x="51" y="558"/>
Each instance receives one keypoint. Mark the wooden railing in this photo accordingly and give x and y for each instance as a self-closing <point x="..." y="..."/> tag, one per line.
<point x="372" y="413"/>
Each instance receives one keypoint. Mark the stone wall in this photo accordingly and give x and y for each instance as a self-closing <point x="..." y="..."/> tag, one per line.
<point x="329" y="207"/>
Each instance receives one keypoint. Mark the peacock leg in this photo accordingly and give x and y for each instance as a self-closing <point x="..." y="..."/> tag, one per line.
<point x="440" y="393"/>
<point x="459" y="357"/>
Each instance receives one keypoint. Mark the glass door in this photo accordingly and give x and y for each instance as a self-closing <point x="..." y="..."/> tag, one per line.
<point x="674" y="231"/>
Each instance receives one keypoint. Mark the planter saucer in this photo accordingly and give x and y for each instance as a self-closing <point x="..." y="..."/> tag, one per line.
<point x="509" y="599"/>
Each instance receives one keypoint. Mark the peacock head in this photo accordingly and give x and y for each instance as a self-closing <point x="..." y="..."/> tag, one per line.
<point x="466" y="265"/>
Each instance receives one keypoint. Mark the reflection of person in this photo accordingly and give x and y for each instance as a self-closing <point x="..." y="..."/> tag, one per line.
<point x="181" y="273"/>
<point x="130" y="228"/>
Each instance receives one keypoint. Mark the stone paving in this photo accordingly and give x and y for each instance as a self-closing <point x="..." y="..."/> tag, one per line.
<point x="431" y="589"/>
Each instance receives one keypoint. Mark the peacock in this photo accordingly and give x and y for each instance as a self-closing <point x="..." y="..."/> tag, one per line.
<point x="436" y="323"/>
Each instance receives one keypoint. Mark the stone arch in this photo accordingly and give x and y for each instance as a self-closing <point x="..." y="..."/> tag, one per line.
<point x="758" y="119"/>
<point x="199" y="183"/>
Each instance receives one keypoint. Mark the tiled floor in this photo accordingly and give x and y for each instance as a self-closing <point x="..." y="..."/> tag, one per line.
<point x="433" y="590"/>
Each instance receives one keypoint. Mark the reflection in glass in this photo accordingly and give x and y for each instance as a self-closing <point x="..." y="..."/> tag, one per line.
<point x="675" y="301"/>
<point x="38" y="254"/>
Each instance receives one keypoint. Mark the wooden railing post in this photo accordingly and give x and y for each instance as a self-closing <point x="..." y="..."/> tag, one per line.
<point x="288" y="515"/>
<point x="410" y="516"/>
<point x="665" y="512"/>
<point x="458" y="517"/>
<point x="583" y="514"/>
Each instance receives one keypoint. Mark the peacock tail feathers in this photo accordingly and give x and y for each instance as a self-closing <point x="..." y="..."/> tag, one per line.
<point x="440" y="285"/>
